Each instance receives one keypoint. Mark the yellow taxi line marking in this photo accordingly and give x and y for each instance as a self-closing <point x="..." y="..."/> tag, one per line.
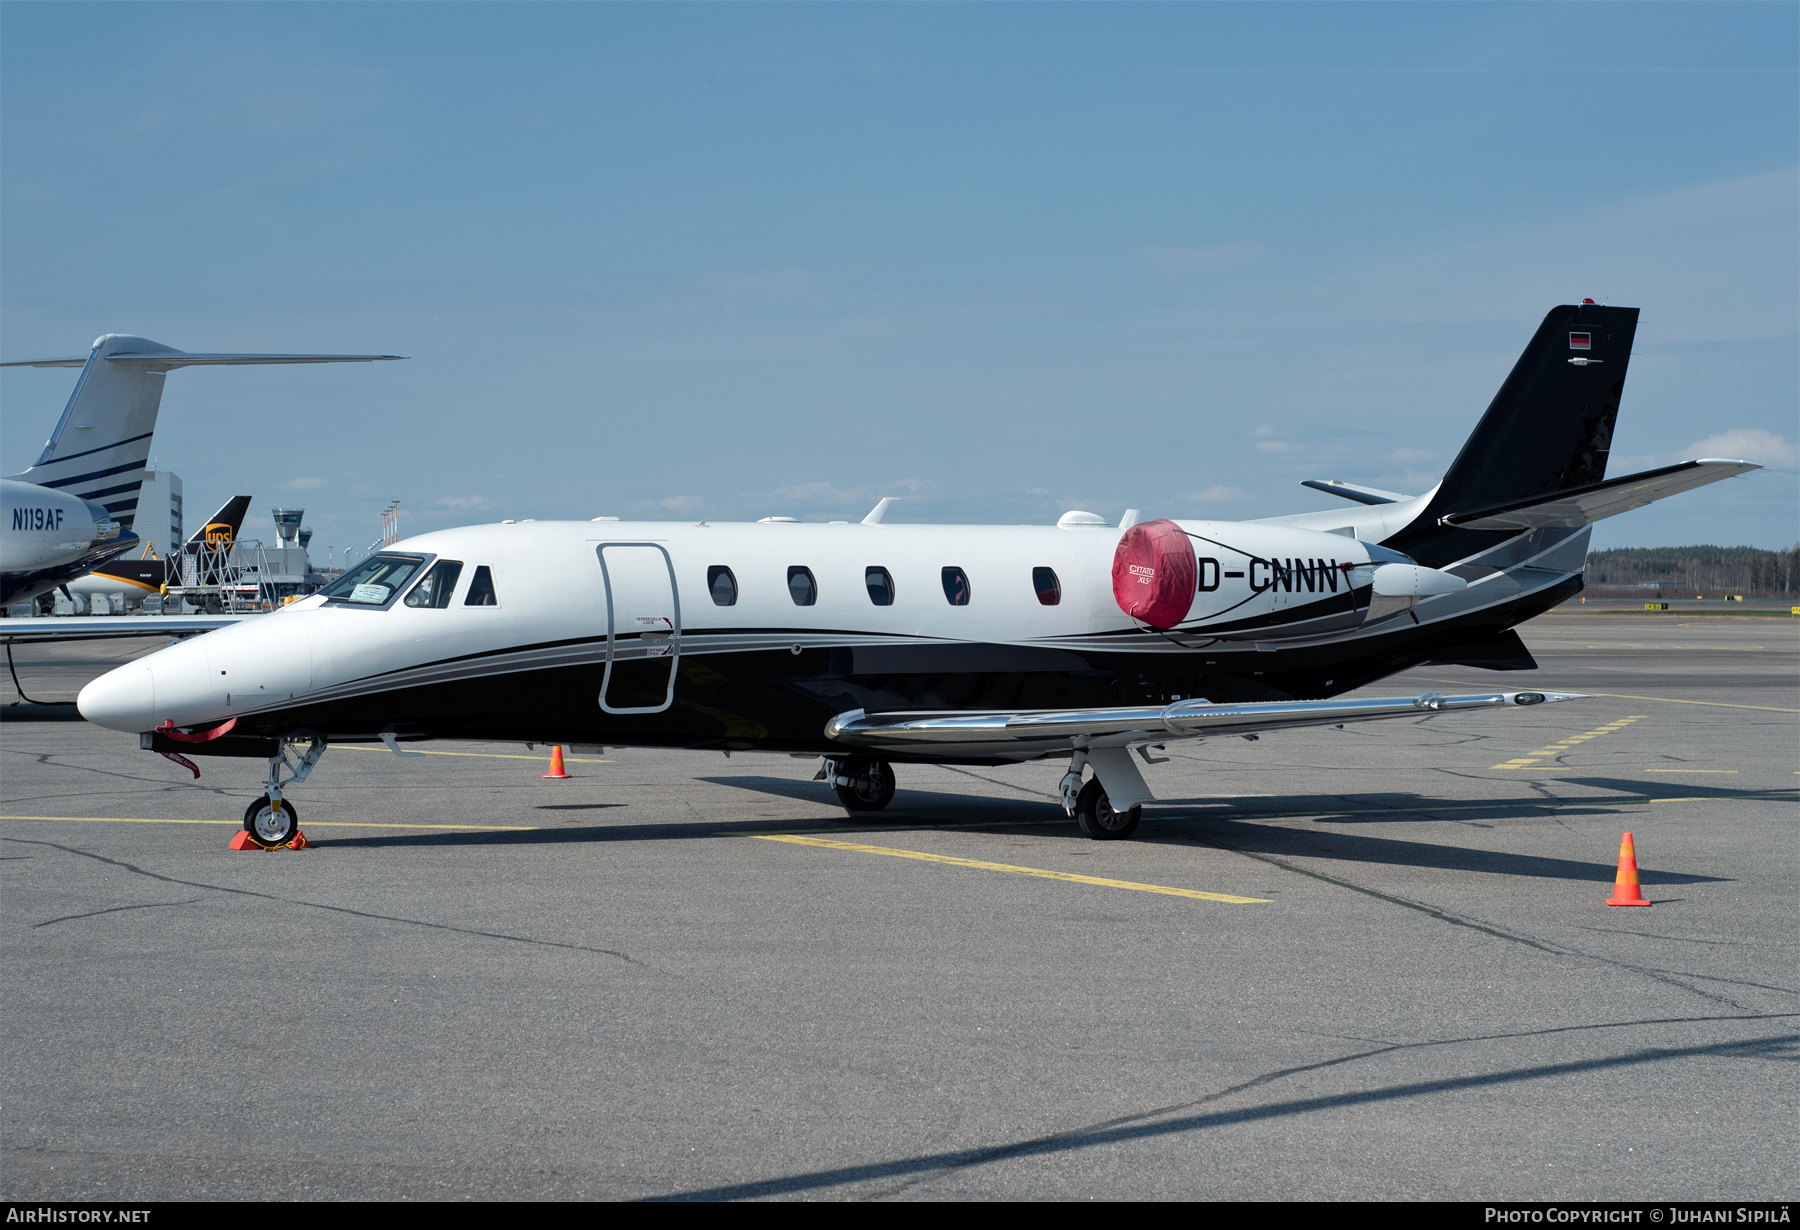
<point x="1039" y="872"/>
<point x="1530" y="759"/>
<point x="351" y="747"/>
<point x="314" y="824"/>
<point x="1666" y="700"/>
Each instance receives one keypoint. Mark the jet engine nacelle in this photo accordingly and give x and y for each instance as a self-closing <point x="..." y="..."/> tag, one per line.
<point x="1264" y="583"/>
<point x="1398" y="588"/>
<point x="41" y="527"/>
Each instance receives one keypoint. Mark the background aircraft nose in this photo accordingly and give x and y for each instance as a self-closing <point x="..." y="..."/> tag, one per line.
<point x="122" y="699"/>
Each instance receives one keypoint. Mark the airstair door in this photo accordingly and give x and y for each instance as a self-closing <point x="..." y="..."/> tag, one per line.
<point x="643" y="628"/>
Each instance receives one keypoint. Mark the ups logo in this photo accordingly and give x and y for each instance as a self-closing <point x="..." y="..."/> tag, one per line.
<point x="217" y="534"/>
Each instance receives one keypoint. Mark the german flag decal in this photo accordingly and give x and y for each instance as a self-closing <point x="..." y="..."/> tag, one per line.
<point x="1581" y="341"/>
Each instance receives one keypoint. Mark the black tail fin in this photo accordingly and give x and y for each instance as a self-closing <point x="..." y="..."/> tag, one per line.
<point x="221" y="529"/>
<point x="1549" y="427"/>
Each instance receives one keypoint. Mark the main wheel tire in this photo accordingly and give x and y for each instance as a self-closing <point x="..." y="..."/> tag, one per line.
<point x="269" y="826"/>
<point x="873" y="789"/>
<point x="1095" y="817"/>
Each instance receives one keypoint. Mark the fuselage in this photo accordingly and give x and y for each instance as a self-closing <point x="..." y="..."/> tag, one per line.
<point x="755" y="635"/>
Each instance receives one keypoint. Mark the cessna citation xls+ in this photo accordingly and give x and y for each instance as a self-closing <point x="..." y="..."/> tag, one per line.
<point x="874" y="644"/>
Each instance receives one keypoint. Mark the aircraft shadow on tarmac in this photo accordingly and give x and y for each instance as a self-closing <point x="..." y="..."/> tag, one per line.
<point x="1176" y="822"/>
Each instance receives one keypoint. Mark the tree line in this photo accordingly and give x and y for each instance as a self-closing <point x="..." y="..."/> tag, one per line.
<point x="1750" y="571"/>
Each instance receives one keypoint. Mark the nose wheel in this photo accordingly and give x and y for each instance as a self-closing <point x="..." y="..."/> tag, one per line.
<point x="271" y="822"/>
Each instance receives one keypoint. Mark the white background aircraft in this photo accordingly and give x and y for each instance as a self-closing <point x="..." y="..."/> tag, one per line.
<point x="72" y="509"/>
<point x="872" y="644"/>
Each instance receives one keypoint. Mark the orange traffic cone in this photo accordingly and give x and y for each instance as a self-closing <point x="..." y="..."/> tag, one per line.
<point x="556" y="763"/>
<point x="1625" y="888"/>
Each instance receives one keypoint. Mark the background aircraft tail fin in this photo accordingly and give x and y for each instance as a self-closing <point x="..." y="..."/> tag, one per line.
<point x="221" y="529"/>
<point x="102" y="442"/>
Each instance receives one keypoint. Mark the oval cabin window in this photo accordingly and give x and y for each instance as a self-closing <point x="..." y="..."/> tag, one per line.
<point x="881" y="586"/>
<point x="722" y="585"/>
<point x="1049" y="589"/>
<point x="801" y="586"/>
<point x="956" y="586"/>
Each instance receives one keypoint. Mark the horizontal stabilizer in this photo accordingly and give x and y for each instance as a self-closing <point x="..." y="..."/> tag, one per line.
<point x="1350" y="491"/>
<point x="1579" y="506"/>
<point x="168" y="360"/>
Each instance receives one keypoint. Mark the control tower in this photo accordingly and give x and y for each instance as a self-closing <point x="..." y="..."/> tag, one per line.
<point x="287" y="525"/>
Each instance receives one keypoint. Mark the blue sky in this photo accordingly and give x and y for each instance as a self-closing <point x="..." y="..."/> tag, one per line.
<point x="1004" y="260"/>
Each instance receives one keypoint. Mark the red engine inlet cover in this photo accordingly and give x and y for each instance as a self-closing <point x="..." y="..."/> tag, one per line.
<point x="1153" y="574"/>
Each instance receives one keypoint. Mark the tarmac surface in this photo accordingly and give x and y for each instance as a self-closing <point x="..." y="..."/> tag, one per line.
<point x="659" y="980"/>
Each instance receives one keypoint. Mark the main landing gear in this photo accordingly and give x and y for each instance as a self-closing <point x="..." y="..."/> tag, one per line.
<point x="271" y="821"/>
<point x="862" y="784"/>
<point x="1092" y="810"/>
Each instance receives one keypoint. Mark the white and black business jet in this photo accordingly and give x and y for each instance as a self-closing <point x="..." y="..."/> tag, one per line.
<point x="72" y="510"/>
<point x="873" y="644"/>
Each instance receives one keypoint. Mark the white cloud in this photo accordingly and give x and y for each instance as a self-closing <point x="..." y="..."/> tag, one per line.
<point x="682" y="503"/>
<point x="1219" y="495"/>
<point x="1274" y="446"/>
<point x="812" y="492"/>
<point x="464" y="501"/>
<point x="304" y="484"/>
<point x="1747" y="444"/>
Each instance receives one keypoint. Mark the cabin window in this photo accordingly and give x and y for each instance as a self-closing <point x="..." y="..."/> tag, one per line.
<point x="881" y="586"/>
<point x="433" y="593"/>
<point x="956" y="586"/>
<point x="801" y="586"/>
<point x="1049" y="589"/>
<point x="722" y="585"/>
<point x="481" y="589"/>
<point x="375" y="581"/>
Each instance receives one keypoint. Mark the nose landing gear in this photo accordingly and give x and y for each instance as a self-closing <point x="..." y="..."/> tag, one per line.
<point x="271" y="820"/>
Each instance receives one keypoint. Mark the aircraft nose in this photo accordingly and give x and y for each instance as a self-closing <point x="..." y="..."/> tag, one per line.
<point x="122" y="699"/>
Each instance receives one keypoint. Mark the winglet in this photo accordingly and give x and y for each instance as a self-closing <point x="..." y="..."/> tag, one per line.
<point x="880" y="510"/>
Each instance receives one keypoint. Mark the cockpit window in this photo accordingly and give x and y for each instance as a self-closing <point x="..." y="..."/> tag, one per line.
<point x="481" y="589"/>
<point x="434" y="591"/>
<point x="375" y="581"/>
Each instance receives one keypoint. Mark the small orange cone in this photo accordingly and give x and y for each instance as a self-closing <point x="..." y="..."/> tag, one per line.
<point x="1625" y="888"/>
<point x="556" y="764"/>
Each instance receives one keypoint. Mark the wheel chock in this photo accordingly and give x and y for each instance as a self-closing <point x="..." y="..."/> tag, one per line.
<point x="242" y="840"/>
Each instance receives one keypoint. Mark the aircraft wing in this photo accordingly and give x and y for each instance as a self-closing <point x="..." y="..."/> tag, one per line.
<point x="39" y="629"/>
<point x="1580" y="506"/>
<point x="1129" y="726"/>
